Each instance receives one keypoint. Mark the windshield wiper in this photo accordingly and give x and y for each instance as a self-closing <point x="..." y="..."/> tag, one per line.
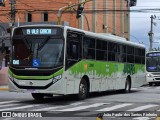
<point x="43" y="43"/>
<point x="27" y="44"/>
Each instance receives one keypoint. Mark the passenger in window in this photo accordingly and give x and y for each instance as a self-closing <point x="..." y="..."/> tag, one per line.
<point x="85" y="51"/>
<point x="74" y="52"/>
<point x="120" y="57"/>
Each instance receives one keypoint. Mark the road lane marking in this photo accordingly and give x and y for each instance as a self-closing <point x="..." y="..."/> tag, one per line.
<point x="114" y="107"/>
<point x="77" y="103"/>
<point x="8" y="118"/>
<point x="4" y="102"/>
<point x="143" y="107"/>
<point x="8" y="105"/>
<point x="56" y="107"/>
<point x="83" y="107"/>
<point x="16" y="108"/>
<point x="48" y="108"/>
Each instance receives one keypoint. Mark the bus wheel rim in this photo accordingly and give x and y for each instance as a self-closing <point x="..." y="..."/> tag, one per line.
<point x="127" y="86"/>
<point x="82" y="89"/>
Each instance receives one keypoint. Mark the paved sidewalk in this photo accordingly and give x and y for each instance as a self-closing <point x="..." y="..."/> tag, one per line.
<point x="4" y="88"/>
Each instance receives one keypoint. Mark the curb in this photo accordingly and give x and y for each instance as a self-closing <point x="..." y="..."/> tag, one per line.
<point x="4" y="88"/>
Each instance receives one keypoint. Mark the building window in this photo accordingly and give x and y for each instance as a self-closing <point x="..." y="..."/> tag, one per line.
<point x="45" y="17"/>
<point x="28" y="17"/>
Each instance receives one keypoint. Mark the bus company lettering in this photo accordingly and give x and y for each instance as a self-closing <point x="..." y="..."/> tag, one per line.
<point x="107" y="68"/>
<point x="91" y="65"/>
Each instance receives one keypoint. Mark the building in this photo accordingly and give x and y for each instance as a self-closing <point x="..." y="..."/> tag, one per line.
<point x="103" y="16"/>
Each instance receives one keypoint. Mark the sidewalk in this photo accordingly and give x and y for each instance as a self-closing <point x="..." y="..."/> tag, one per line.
<point x="4" y="88"/>
<point x="4" y="79"/>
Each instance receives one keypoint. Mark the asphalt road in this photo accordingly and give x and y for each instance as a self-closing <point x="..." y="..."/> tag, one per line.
<point x="141" y="104"/>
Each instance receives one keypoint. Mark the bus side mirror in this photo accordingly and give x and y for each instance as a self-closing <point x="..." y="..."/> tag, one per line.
<point x="8" y="30"/>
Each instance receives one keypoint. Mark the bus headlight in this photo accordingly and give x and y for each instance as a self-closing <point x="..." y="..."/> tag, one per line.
<point x="148" y="75"/>
<point x="55" y="79"/>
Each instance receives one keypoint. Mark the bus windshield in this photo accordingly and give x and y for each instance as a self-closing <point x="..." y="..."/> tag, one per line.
<point x="39" y="51"/>
<point x="153" y="62"/>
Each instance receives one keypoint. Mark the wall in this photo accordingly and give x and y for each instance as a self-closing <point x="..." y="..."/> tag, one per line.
<point x="4" y="76"/>
<point x="99" y="13"/>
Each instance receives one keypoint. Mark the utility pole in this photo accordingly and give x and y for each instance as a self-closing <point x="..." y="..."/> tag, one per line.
<point x="12" y="12"/>
<point x="151" y="33"/>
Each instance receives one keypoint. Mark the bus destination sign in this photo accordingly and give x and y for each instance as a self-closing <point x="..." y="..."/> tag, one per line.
<point x="41" y="31"/>
<point x="38" y="31"/>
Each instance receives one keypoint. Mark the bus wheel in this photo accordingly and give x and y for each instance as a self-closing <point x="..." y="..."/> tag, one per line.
<point x="127" y="85"/>
<point x="82" y="90"/>
<point x="38" y="96"/>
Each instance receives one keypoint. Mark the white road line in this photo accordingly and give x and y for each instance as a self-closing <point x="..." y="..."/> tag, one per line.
<point x="157" y="88"/>
<point x="77" y="103"/>
<point x="56" y="107"/>
<point x="7" y="119"/>
<point x="114" y="107"/>
<point x="4" y="102"/>
<point x="143" y="107"/>
<point x="15" y="108"/>
<point x="48" y="108"/>
<point x="145" y="88"/>
<point x="158" y="110"/>
<point x="8" y="105"/>
<point x="82" y="107"/>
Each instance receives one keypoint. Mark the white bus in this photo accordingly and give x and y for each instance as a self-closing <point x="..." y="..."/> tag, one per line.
<point x="49" y="59"/>
<point x="153" y="67"/>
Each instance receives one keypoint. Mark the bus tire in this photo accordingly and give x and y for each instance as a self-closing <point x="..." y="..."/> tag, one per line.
<point x="83" y="90"/>
<point x="150" y="83"/>
<point x="38" y="96"/>
<point x="128" y="85"/>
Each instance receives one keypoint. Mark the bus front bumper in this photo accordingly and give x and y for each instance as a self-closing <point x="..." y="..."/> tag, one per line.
<point x="35" y="86"/>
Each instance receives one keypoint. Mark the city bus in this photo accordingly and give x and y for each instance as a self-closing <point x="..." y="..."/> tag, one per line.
<point x="153" y="67"/>
<point x="61" y="60"/>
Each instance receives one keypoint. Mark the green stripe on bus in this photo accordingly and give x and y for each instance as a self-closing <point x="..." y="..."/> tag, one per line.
<point x="99" y="68"/>
<point x="36" y="77"/>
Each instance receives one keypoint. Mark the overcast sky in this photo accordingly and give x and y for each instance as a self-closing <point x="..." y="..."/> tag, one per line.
<point x="140" y="22"/>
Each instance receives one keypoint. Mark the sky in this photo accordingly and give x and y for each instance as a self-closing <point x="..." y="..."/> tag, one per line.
<point x="140" y="22"/>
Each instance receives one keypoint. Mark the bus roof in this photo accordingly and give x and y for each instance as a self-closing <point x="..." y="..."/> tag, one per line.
<point x="153" y="51"/>
<point x="103" y="36"/>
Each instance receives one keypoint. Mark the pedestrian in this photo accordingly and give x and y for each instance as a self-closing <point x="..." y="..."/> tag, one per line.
<point x="99" y="116"/>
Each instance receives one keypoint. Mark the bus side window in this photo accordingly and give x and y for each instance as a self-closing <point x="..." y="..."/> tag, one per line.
<point x="88" y="48"/>
<point x="121" y="53"/>
<point x="85" y="50"/>
<point x="73" y="50"/>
